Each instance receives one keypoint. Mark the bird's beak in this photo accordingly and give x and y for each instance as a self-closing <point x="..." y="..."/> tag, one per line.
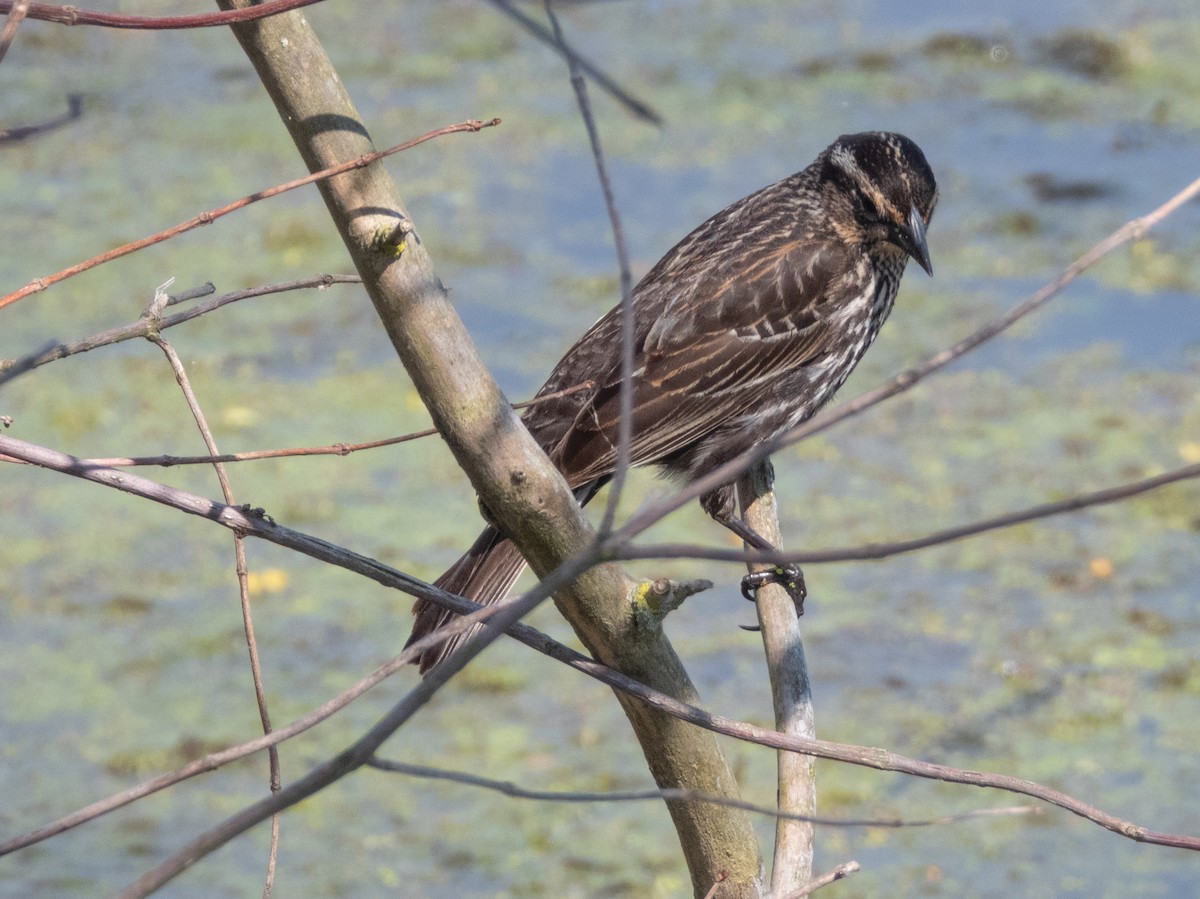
<point x="918" y="249"/>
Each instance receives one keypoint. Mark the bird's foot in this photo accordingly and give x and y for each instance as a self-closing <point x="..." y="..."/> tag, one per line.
<point x="790" y="577"/>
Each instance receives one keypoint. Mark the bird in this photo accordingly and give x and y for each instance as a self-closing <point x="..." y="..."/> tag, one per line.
<point x="742" y="331"/>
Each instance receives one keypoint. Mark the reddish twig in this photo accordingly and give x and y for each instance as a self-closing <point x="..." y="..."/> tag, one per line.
<point x="207" y="218"/>
<point x="335" y="449"/>
<point x="73" y="15"/>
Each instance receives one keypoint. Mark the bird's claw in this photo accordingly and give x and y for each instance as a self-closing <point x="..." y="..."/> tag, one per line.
<point x="790" y="577"/>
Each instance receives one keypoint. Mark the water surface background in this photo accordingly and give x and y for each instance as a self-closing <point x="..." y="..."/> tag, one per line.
<point x="1062" y="651"/>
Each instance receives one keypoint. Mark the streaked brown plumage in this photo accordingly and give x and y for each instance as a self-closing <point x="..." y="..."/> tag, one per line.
<point x="742" y="331"/>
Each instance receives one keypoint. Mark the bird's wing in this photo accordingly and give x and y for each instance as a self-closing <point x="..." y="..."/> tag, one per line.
<point x="709" y="357"/>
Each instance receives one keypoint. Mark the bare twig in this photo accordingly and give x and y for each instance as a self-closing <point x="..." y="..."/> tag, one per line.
<point x="465" y="621"/>
<point x="625" y="419"/>
<point x="516" y="792"/>
<point x="844" y="870"/>
<point x="16" y="15"/>
<point x="722" y="876"/>
<point x="73" y="15"/>
<point x="334" y="449"/>
<point x="74" y="111"/>
<point x="11" y="368"/>
<point x="639" y="108"/>
<point x="884" y="550"/>
<point x="207" y="218"/>
<point x="239" y="548"/>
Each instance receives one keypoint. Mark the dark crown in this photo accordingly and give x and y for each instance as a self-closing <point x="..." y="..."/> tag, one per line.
<point x="887" y="169"/>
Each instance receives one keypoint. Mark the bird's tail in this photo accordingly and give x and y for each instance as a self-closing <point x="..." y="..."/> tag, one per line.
<point x="485" y="574"/>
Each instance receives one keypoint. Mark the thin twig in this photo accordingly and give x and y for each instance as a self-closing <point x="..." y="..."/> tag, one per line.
<point x="333" y="449"/>
<point x="207" y="218"/>
<point x="16" y="15"/>
<point x="517" y="792"/>
<point x="12" y="368"/>
<point x="638" y="107"/>
<point x="625" y="400"/>
<point x="885" y="550"/>
<point x="73" y="15"/>
<point x="211" y="762"/>
<point x="275" y="779"/>
<point x="722" y="876"/>
<point x="824" y="880"/>
<point x="74" y="111"/>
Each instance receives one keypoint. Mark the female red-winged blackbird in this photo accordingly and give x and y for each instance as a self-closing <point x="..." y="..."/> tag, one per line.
<point x="741" y="332"/>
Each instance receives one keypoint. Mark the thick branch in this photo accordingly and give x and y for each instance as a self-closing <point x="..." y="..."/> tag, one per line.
<point x="527" y="496"/>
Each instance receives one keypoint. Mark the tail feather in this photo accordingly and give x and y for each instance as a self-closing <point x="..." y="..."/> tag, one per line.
<point x="484" y="574"/>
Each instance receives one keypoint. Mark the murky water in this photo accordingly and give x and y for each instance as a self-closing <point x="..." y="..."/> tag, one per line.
<point x="1063" y="652"/>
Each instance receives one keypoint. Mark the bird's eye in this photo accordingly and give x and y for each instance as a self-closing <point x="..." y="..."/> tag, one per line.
<point x="869" y="207"/>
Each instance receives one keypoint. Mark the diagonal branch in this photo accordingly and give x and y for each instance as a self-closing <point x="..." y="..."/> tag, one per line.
<point x="838" y="873"/>
<point x="638" y="107"/>
<point x="16" y="15"/>
<point x="211" y="215"/>
<point x="872" y="551"/>
<point x="249" y="521"/>
<point x="516" y="482"/>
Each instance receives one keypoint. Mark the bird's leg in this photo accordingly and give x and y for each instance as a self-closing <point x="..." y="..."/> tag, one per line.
<point x="719" y="504"/>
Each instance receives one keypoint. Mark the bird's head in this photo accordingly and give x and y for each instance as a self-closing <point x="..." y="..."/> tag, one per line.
<point x="889" y="186"/>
